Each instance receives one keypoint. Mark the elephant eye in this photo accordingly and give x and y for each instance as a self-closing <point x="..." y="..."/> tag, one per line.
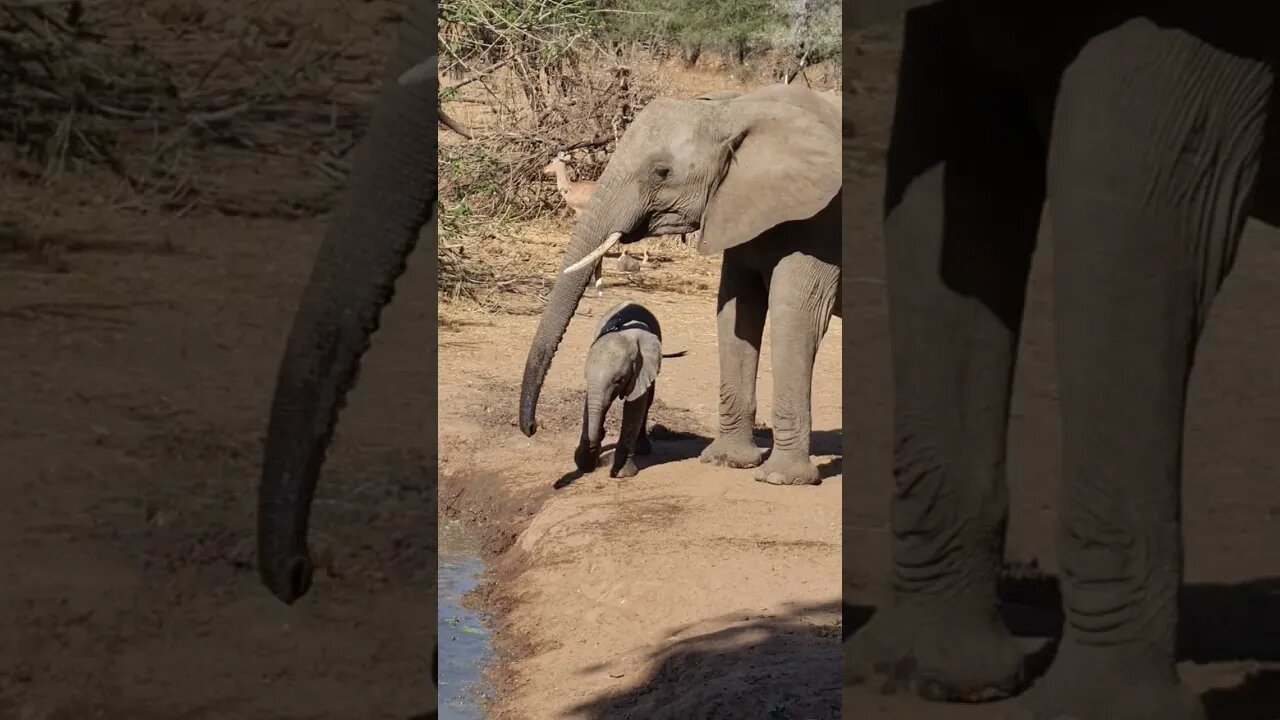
<point x="660" y="173"/>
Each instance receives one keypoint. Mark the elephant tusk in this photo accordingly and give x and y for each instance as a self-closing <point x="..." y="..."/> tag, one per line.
<point x="421" y="72"/>
<point x="596" y="254"/>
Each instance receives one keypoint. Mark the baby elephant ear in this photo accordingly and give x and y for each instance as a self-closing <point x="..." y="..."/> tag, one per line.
<point x="650" y="363"/>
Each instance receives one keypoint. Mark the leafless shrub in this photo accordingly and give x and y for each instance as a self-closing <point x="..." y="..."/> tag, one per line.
<point x="247" y="109"/>
<point x="530" y="81"/>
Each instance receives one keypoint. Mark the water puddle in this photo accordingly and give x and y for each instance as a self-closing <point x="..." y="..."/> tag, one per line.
<point x="463" y="633"/>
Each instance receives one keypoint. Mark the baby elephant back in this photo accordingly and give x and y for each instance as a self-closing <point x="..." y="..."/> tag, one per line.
<point x="628" y="315"/>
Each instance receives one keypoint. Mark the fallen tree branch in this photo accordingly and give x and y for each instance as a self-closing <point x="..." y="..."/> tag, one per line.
<point x="595" y="142"/>
<point x="452" y="124"/>
<point x="477" y="75"/>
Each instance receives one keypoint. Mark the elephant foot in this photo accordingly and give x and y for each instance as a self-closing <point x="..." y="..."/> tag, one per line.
<point x="644" y="446"/>
<point x="586" y="458"/>
<point x="1103" y="683"/>
<point x="946" y="650"/>
<point x="787" y="469"/>
<point x="734" y="452"/>
<point x="625" y="469"/>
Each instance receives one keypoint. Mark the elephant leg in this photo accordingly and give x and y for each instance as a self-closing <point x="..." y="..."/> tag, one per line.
<point x="802" y="294"/>
<point x="743" y="302"/>
<point x="965" y="189"/>
<point x="1153" y="161"/>
<point x="644" y="445"/>
<point x="633" y="416"/>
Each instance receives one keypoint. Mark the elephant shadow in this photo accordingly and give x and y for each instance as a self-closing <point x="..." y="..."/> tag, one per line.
<point x="1220" y="623"/>
<point x="747" y="670"/>
<point x="678" y="445"/>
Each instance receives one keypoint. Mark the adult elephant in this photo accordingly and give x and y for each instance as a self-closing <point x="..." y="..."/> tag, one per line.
<point x="1143" y="128"/>
<point x="759" y="174"/>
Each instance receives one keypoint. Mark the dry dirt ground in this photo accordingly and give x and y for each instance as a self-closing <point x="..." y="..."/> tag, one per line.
<point x="1231" y="641"/>
<point x="137" y="356"/>
<point x="133" y="397"/>
<point x="685" y="591"/>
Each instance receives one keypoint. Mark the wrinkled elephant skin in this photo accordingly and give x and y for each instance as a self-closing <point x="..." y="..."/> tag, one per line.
<point x="1145" y="137"/>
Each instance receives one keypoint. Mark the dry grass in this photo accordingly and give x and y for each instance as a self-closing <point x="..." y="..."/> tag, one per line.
<point x="497" y="175"/>
<point x="241" y="108"/>
<point x="521" y="109"/>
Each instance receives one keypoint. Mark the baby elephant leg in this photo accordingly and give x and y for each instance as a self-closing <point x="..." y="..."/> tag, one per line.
<point x="644" y="445"/>
<point x="634" y="413"/>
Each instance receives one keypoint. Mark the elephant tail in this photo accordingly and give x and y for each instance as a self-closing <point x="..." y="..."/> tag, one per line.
<point x="682" y="353"/>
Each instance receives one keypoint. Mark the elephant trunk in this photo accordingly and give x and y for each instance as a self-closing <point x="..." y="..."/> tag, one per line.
<point x="391" y="194"/>
<point x="603" y="216"/>
<point x="593" y="413"/>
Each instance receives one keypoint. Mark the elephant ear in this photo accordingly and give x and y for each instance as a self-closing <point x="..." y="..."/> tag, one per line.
<point x="782" y="164"/>
<point x="650" y="363"/>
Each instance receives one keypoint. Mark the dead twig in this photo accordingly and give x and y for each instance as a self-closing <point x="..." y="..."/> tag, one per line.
<point x="454" y="125"/>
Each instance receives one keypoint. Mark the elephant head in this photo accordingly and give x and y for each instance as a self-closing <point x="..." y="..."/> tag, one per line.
<point x="390" y="196"/>
<point x="730" y="166"/>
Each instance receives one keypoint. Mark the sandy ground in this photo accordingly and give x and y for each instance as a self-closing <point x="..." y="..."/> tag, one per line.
<point x="133" y="396"/>
<point x="685" y="591"/>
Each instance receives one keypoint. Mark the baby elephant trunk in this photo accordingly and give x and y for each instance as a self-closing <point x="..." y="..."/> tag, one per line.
<point x="597" y="404"/>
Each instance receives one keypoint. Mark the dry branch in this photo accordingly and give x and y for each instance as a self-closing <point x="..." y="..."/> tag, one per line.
<point x="245" y="110"/>
<point x="454" y="125"/>
<point x="527" y="90"/>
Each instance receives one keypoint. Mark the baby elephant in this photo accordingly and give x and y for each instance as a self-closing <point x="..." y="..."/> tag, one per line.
<point x="623" y="363"/>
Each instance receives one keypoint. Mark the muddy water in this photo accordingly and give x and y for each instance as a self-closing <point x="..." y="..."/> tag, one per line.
<point x="463" y="633"/>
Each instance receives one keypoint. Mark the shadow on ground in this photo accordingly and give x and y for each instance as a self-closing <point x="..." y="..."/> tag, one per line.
<point x="676" y="445"/>
<point x="786" y="666"/>
<point x="1220" y="623"/>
